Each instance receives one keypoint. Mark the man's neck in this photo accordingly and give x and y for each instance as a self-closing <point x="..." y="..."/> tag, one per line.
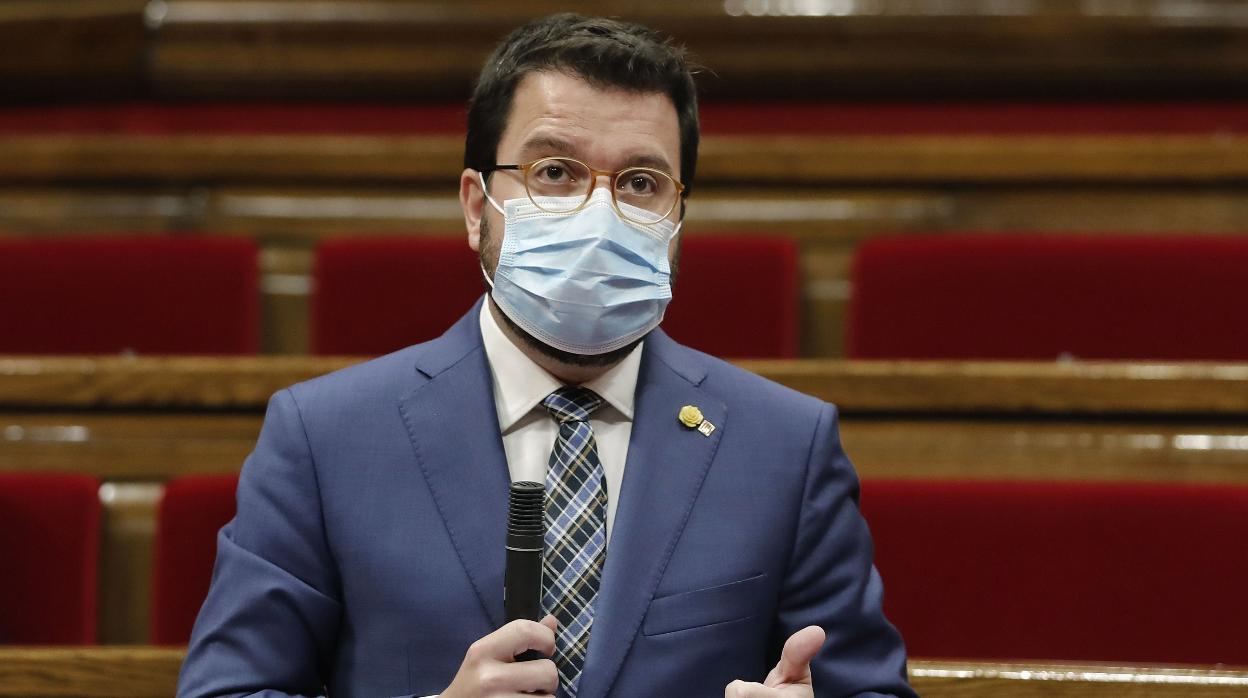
<point x="568" y="374"/>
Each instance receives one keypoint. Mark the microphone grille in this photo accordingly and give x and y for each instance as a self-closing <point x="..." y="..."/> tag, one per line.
<point x="527" y="510"/>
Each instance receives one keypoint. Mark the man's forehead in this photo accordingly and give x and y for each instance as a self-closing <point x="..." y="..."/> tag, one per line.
<point x="555" y="113"/>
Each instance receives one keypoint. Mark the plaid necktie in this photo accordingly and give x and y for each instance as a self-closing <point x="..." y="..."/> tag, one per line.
<point x="576" y="530"/>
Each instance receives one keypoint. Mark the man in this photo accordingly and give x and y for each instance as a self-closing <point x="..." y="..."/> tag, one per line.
<point x="702" y="522"/>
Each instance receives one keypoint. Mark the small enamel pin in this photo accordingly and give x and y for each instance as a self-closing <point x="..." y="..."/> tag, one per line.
<point x="692" y="417"/>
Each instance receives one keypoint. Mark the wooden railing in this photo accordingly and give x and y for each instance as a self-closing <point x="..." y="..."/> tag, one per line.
<point x="152" y="672"/>
<point x="757" y="160"/>
<point x="399" y="48"/>
<point x="149" y="419"/>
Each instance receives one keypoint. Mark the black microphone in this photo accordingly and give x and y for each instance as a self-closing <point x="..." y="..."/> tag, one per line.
<point x="526" y="532"/>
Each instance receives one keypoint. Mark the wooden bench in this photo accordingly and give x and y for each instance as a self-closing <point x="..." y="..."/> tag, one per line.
<point x="136" y="422"/>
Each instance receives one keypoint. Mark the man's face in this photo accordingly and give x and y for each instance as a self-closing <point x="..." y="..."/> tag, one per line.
<point x="557" y="114"/>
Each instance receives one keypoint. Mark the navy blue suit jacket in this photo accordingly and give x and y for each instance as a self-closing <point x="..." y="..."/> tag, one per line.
<point x="367" y="552"/>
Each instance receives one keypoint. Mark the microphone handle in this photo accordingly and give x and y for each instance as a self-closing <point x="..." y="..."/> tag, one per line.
<point x="522" y="590"/>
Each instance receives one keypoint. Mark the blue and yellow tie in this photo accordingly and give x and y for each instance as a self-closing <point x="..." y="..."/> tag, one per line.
<point x="576" y="530"/>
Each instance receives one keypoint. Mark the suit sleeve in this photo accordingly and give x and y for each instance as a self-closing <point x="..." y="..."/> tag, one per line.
<point x="831" y="581"/>
<point x="269" y="623"/>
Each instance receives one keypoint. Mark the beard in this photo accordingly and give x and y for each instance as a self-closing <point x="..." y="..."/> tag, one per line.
<point x="487" y="248"/>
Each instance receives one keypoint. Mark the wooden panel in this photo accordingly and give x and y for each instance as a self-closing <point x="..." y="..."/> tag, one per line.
<point x="82" y="48"/>
<point x="759" y="47"/>
<point x="89" y="672"/>
<point x="940" y="679"/>
<point x="1015" y="449"/>
<point x="146" y="420"/>
<point x="741" y="160"/>
<point x="115" y="158"/>
<point x="1009" y="387"/>
<point x="147" y="382"/>
<point x="298" y="216"/>
<point x="127" y="446"/>
<point x="151" y="672"/>
<point x="139" y="447"/>
<point x="941" y="387"/>
<point x="393" y="48"/>
<point x="126" y="539"/>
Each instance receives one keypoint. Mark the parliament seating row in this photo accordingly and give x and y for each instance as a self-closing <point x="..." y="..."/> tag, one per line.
<point x="371" y="296"/>
<point x="825" y="173"/>
<point x="988" y="570"/>
<point x="984" y="570"/>
<point x="138" y="422"/>
<point x="915" y="297"/>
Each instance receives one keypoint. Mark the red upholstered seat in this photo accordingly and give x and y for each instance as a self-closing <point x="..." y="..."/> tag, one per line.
<point x="736" y="296"/>
<point x="1040" y="297"/>
<point x="376" y="295"/>
<point x="49" y="551"/>
<point x="1110" y="571"/>
<point x="151" y="295"/>
<point x="193" y="510"/>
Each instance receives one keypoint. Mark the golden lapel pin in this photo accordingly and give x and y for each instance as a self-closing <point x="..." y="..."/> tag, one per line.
<point x="692" y="418"/>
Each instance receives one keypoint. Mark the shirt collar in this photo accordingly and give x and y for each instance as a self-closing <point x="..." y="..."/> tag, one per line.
<point x="520" y="385"/>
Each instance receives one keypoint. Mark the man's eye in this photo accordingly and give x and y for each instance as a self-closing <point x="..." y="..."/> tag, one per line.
<point x="639" y="184"/>
<point x="555" y="173"/>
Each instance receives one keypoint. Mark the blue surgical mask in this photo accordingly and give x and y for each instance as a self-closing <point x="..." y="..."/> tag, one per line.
<point x="587" y="282"/>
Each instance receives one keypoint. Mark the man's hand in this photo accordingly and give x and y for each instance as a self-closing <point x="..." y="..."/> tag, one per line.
<point x="791" y="676"/>
<point x="490" y="667"/>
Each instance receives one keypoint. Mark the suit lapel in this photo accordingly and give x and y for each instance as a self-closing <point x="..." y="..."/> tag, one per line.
<point x="453" y="425"/>
<point x="666" y="465"/>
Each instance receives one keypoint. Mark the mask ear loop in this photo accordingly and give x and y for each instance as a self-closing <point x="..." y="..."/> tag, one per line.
<point x="486" y="191"/>
<point x="488" y="281"/>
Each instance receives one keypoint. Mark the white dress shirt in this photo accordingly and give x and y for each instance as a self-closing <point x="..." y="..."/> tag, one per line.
<point x="529" y="431"/>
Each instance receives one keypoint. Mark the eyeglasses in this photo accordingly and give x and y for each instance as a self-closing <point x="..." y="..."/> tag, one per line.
<point x="563" y="185"/>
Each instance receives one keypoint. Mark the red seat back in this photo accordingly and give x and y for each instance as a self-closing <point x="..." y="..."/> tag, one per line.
<point x="49" y="552"/>
<point x="193" y="510"/>
<point x="1040" y="297"/>
<point x="377" y="295"/>
<point x="154" y="295"/>
<point x="1115" y="572"/>
<point x="735" y="296"/>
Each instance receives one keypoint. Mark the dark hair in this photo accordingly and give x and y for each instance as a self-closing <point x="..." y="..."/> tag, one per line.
<point x="603" y="52"/>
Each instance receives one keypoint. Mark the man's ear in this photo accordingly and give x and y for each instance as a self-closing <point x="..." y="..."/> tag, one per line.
<point x="472" y="201"/>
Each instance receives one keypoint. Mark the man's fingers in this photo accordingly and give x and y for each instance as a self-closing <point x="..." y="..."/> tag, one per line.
<point x="794" y="664"/>
<point x="537" y="675"/>
<point x="514" y="638"/>
<point x="746" y="689"/>
<point x="550" y="622"/>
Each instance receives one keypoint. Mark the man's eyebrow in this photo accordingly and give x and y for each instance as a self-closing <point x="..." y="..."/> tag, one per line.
<point x="657" y="162"/>
<point x="545" y="145"/>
